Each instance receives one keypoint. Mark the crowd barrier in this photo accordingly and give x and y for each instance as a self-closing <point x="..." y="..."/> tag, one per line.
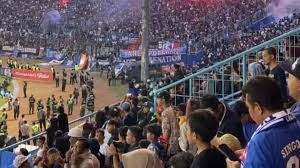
<point x="226" y="78"/>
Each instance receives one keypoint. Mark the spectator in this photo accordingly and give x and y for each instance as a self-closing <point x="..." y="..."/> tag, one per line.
<point x="75" y="134"/>
<point x="134" y="135"/>
<point x="87" y="128"/>
<point x="280" y="133"/>
<point x="153" y="133"/>
<point x="24" y="152"/>
<point x="293" y="84"/>
<point x="60" y="143"/>
<point x="54" y="158"/>
<point x="170" y="126"/>
<point x="249" y="126"/>
<point x="82" y="157"/>
<point x="132" y="90"/>
<point x="178" y="73"/>
<point x="21" y="161"/>
<point x="54" y="126"/>
<point x="182" y="160"/>
<point x="229" y="121"/>
<point x="100" y="138"/>
<point x="63" y="121"/>
<point x="144" y="115"/>
<point x="202" y="127"/>
<point x="191" y="106"/>
<point x="95" y="148"/>
<point x="40" y="154"/>
<point x="127" y="115"/>
<point x="112" y="129"/>
<point x="269" y="56"/>
<point x="256" y="69"/>
<point x="100" y="118"/>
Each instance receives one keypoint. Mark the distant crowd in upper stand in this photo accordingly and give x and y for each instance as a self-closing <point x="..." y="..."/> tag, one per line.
<point x="187" y="22"/>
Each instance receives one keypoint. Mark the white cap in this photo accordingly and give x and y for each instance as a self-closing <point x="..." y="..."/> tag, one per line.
<point x="75" y="132"/>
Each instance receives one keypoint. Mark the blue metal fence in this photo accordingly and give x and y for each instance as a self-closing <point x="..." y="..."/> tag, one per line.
<point x="225" y="79"/>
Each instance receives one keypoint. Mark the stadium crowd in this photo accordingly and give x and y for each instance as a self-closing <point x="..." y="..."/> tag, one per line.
<point x="179" y="133"/>
<point x="197" y="133"/>
<point x="168" y="21"/>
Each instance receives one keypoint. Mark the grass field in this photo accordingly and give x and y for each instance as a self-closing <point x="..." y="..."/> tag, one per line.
<point x="10" y="88"/>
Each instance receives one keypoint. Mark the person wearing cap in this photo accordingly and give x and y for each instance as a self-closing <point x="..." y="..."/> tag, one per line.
<point x="75" y="134"/>
<point x="274" y="143"/>
<point x="144" y="115"/>
<point x="293" y="84"/>
<point x="21" y="161"/>
<point x="169" y="122"/>
<point x="127" y="115"/>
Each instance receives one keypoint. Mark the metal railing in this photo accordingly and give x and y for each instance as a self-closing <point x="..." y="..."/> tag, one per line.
<point x="72" y="124"/>
<point x="226" y="78"/>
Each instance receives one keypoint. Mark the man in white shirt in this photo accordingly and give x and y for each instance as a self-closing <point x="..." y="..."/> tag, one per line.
<point x="100" y="138"/>
<point x="25" y="130"/>
<point x="40" y="143"/>
<point x="21" y="122"/>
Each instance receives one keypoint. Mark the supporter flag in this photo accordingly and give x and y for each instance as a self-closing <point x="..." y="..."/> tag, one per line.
<point x="63" y="3"/>
<point x="175" y="44"/>
<point x="168" y="45"/>
<point x="135" y="44"/>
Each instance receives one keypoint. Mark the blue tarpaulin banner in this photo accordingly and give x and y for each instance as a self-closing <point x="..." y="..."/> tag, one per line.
<point x="6" y="159"/>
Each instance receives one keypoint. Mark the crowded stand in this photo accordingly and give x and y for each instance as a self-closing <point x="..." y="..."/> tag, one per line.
<point x="260" y="129"/>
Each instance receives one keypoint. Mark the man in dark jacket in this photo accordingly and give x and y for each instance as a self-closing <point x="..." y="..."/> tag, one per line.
<point x="63" y="120"/>
<point x="229" y="122"/>
<point x="100" y="118"/>
<point x="51" y="130"/>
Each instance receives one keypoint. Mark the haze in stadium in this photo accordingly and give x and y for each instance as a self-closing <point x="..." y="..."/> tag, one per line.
<point x="149" y="83"/>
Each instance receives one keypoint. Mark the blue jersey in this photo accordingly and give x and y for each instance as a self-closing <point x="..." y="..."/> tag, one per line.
<point x="275" y="143"/>
<point x="296" y="110"/>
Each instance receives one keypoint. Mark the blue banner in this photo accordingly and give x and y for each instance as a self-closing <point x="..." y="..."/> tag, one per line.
<point x="54" y="55"/>
<point x="187" y="59"/>
<point x="6" y="159"/>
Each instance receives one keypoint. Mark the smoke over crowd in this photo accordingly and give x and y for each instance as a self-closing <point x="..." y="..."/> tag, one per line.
<point x="281" y="8"/>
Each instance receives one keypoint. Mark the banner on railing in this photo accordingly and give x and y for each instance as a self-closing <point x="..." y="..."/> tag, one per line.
<point x="152" y="52"/>
<point x="32" y="75"/>
<point x="15" y="50"/>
